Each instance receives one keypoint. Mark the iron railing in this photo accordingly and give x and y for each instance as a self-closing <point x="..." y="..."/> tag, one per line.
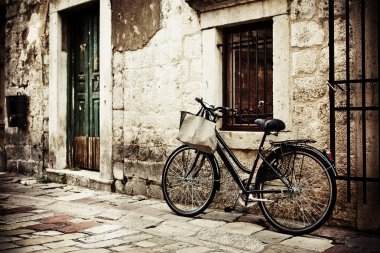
<point x="342" y="92"/>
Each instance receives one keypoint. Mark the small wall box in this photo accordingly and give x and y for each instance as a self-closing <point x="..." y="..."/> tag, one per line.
<point x="17" y="110"/>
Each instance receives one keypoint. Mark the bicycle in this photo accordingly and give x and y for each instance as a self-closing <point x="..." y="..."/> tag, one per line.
<point x="294" y="185"/>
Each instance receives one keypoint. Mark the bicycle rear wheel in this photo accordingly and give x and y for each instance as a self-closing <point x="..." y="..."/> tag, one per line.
<point x="189" y="181"/>
<point x="312" y="197"/>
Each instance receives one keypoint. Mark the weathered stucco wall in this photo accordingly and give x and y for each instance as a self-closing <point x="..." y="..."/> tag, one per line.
<point x="151" y="85"/>
<point x="133" y="24"/>
<point x="26" y="72"/>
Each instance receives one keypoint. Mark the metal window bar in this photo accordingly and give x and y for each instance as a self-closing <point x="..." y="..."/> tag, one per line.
<point x="245" y="49"/>
<point x="351" y="108"/>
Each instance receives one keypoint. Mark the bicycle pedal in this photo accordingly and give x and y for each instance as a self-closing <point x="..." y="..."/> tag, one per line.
<point x="249" y="203"/>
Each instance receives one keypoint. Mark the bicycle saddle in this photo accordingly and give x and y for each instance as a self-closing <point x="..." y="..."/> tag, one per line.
<point x="270" y="124"/>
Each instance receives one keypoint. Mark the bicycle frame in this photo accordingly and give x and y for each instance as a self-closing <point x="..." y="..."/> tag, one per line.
<point x="231" y="169"/>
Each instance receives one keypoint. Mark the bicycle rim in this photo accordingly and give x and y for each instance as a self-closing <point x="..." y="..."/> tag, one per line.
<point x="187" y="192"/>
<point x="313" y="199"/>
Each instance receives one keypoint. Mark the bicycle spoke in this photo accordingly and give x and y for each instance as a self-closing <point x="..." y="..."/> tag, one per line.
<point x="308" y="204"/>
<point x="188" y="181"/>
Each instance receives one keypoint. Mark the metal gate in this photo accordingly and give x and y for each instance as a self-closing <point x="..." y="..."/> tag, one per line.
<point x="354" y="92"/>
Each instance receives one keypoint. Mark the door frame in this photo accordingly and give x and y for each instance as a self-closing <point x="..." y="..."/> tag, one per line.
<point x="58" y="92"/>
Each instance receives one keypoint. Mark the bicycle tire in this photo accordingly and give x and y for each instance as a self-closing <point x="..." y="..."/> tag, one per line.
<point x="191" y="195"/>
<point x="312" y="201"/>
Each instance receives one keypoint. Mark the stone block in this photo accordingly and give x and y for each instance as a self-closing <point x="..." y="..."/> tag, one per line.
<point x="136" y="186"/>
<point x="107" y="236"/>
<point x="207" y="223"/>
<point x="61" y="244"/>
<point x="306" y="34"/>
<point x="308" y="89"/>
<point x="119" y="186"/>
<point x="118" y="136"/>
<point x="304" y="62"/>
<point x="243" y="228"/>
<point x="302" y="9"/>
<point x="316" y="244"/>
<point x="118" y="119"/>
<point x="339" y="9"/>
<point x="118" y="65"/>
<point x="146" y="170"/>
<point x="271" y="237"/>
<point x="173" y="228"/>
<point x="154" y="191"/>
<point x="118" y="98"/>
<point x="100" y="247"/>
<point x="79" y="227"/>
<point x="118" y="170"/>
<point x="118" y="152"/>
<point x="102" y="229"/>
<point x="7" y="246"/>
<point x="232" y="240"/>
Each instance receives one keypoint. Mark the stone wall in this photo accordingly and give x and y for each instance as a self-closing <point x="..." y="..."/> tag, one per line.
<point x="310" y="71"/>
<point x="2" y="80"/>
<point x="156" y="81"/>
<point x="151" y="85"/>
<point x="26" y="73"/>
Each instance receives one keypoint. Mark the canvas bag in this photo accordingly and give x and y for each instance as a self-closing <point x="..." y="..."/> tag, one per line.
<point x="198" y="132"/>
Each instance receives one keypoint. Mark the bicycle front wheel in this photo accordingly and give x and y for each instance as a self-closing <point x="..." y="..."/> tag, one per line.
<point x="188" y="181"/>
<point x="309" y="202"/>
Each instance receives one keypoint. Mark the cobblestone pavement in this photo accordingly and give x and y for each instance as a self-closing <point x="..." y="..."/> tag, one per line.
<point x="61" y="218"/>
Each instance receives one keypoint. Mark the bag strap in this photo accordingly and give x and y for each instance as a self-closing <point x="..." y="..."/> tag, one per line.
<point x="201" y="112"/>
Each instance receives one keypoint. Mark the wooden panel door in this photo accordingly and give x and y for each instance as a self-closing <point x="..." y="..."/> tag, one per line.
<point x="85" y="79"/>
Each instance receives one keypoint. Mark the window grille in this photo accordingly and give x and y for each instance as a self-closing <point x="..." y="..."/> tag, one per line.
<point x="248" y="74"/>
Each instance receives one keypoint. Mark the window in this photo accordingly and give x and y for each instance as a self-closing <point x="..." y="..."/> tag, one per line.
<point x="247" y="74"/>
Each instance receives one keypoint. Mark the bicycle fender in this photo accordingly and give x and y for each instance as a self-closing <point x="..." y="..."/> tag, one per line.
<point x="330" y="166"/>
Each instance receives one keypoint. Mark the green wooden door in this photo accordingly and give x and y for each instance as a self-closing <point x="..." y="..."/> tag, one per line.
<point x="85" y="89"/>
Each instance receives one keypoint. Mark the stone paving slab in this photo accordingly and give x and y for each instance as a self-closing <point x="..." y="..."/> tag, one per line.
<point x="33" y="248"/>
<point x="317" y="244"/>
<point x="7" y="245"/>
<point x="60" y="250"/>
<point x="107" y="236"/>
<point x="102" y="229"/>
<point x="207" y="223"/>
<point x="59" y="218"/>
<point x="241" y="228"/>
<point x="16" y="232"/>
<point x="4" y="196"/>
<point x="232" y="240"/>
<point x="271" y="237"/>
<point x="102" y="244"/>
<point x="173" y="228"/>
<point x="75" y="196"/>
<point x="110" y="214"/>
<point x="61" y="244"/>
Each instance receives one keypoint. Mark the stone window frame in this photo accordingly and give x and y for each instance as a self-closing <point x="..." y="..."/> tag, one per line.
<point x="212" y="23"/>
<point x="58" y="150"/>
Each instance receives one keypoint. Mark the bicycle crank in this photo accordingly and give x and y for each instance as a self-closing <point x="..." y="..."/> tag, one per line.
<point x="251" y="200"/>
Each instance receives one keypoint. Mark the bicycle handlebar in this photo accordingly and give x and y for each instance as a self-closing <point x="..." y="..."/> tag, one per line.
<point x="212" y="109"/>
